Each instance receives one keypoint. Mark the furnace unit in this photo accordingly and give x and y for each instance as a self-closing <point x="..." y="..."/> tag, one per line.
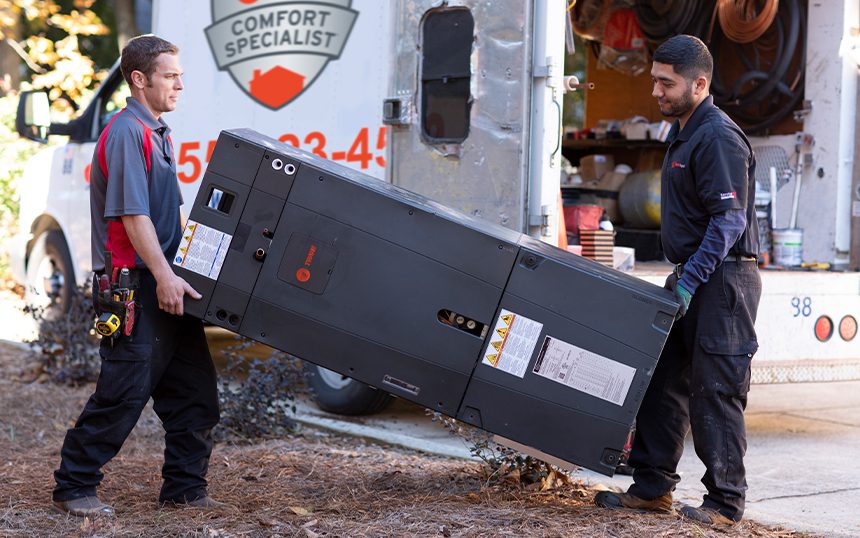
<point x="468" y="318"/>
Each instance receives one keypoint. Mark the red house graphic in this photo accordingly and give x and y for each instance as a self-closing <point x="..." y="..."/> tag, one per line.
<point x="277" y="86"/>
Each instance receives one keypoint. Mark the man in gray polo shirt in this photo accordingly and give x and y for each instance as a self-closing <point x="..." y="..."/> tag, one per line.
<point x="135" y="213"/>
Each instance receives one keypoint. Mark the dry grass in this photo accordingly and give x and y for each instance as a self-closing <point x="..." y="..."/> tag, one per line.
<point x="312" y="484"/>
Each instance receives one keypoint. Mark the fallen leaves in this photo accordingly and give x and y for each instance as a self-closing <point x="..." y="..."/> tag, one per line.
<point x="299" y="511"/>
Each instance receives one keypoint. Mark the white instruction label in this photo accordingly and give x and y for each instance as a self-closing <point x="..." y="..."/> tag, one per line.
<point x="512" y="343"/>
<point x="202" y="249"/>
<point x="855" y="209"/>
<point x="584" y="371"/>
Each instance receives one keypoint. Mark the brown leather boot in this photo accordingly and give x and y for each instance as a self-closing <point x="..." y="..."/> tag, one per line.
<point x="708" y="516"/>
<point x="611" y="499"/>
<point x="84" y="507"/>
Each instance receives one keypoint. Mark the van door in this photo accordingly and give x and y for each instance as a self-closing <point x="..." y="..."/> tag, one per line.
<point x="459" y="105"/>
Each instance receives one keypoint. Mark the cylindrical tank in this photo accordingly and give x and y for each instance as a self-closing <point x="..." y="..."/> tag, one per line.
<point x="639" y="200"/>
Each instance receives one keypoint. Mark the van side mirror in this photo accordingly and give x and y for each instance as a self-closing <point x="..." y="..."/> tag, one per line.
<point x="33" y="121"/>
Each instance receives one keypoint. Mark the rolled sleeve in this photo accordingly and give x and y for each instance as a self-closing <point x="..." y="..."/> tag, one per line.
<point x="127" y="190"/>
<point x="721" y="174"/>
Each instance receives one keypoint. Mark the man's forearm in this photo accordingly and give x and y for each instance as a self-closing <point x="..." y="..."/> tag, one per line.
<point x="722" y="233"/>
<point x="143" y="238"/>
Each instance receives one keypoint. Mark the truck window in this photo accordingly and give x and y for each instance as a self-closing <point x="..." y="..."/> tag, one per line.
<point x="112" y="103"/>
<point x="447" y="37"/>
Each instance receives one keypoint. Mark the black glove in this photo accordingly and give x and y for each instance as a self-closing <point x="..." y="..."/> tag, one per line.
<point x="671" y="281"/>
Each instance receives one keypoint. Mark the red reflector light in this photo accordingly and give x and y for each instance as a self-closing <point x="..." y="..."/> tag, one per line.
<point x="823" y="328"/>
<point x="848" y="328"/>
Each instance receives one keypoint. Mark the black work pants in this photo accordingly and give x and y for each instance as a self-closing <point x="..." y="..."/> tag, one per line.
<point x="166" y="357"/>
<point x="701" y="383"/>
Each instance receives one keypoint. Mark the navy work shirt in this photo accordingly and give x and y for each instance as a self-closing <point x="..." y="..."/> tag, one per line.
<point x="709" y="169"/>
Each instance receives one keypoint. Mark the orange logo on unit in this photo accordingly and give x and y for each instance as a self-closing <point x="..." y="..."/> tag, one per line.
<point x="303" y="275"/>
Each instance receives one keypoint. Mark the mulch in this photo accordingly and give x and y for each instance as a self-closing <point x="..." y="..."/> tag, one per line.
<point x="310" y="484"/>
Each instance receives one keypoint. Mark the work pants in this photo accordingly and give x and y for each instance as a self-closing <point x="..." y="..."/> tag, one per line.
<point x="701" y="382"/>
<point x="166" y="357"/>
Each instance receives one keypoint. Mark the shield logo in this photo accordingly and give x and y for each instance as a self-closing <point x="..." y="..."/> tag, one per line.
<point x="275" y="49"/>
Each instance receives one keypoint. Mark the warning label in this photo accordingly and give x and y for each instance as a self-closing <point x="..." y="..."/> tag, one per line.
<point x="512" y="343"/>
<point x="584" y="371"/>
<point x="202" y="249"/>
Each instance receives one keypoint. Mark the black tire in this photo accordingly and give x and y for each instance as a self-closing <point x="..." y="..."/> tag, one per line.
<point x="343" y="395"/>
<point x="50" y="273"/>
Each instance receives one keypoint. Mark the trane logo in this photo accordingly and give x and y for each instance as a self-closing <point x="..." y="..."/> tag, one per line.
<point x="304" y="274"/>
<point x="274" y="49"/>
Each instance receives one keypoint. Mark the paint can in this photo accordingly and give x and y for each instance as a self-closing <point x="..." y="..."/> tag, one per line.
<point x="788" y="246"/>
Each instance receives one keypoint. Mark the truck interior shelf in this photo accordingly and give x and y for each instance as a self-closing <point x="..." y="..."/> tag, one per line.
<point x="588" y="143"/>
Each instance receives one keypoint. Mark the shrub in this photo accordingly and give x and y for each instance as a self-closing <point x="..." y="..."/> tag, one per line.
<point x="257" y="396"/>
<point x="67" y="342"/>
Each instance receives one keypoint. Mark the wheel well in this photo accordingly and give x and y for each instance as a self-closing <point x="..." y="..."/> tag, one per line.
<point x="42" y="224"/>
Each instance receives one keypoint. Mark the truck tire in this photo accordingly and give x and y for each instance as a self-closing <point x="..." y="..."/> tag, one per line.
<point x="343" y="395"/>
<point x="50" y="274"/>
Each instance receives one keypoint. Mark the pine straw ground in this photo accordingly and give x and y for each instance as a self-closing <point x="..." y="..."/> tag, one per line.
<point x="312" y="484"/>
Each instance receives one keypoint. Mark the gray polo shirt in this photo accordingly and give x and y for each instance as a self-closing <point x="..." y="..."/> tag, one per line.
<point x="122" y="183"/>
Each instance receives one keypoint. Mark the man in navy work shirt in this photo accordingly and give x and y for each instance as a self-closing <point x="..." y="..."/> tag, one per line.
<point x="135" y="215"/>
<point x="709" y="231"/>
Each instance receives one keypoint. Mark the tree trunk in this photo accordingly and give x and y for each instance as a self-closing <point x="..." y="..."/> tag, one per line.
<point x="10" y="62"/>
<point x="126" y="25"/>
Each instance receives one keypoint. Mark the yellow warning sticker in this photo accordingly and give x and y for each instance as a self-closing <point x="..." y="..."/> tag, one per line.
<point x="519" y="337"/>
<point x="202" y="249"/>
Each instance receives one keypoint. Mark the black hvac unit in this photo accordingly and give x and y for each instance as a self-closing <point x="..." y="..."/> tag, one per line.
<point x="467" y="318"/>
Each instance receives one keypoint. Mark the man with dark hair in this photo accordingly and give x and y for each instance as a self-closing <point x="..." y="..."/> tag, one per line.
<point x="709" y="232"/>
<point x="136" y="228"/>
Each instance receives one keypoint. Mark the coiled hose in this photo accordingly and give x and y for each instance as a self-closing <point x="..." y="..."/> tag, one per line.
<point x="762" y="97"/>
<point x="768" y="36"/>
<point x="661" y="19"/>
<point x="740" y="22"/>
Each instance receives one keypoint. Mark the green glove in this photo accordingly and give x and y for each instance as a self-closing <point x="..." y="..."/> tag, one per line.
<point x="683" y="297"/>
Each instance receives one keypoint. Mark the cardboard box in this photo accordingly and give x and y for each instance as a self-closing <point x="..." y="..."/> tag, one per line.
<point x="660" y="130"/>
<point x="635" y="131"/>
<point x="592" y="167"/>
<point x="611" y="181"/>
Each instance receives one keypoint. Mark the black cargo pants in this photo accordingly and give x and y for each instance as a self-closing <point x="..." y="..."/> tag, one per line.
<point x="701" y="383"/>
<point x="166" y="357"/>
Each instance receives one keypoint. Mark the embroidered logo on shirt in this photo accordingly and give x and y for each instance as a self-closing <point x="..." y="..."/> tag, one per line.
<point x="676" y="164"/>
<point x="728" y="195"/>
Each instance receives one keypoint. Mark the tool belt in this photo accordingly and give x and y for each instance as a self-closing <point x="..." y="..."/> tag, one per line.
<point x="114" y="300"/>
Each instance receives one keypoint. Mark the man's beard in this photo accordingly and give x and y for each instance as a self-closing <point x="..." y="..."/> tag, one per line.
<point x="680" y="107"/>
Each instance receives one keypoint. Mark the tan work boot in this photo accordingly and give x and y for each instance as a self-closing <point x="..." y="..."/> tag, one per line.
<point x="708" y="516"/>
<point x="84" y="507"/>
<point x="611" y="499"/>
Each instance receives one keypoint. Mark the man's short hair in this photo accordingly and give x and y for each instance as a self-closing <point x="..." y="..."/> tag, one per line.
<point x="140" y="53"/>
<point x="688" y="55"/>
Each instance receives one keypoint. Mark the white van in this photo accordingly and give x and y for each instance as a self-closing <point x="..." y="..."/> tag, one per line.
<point x="459" y="101"/>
